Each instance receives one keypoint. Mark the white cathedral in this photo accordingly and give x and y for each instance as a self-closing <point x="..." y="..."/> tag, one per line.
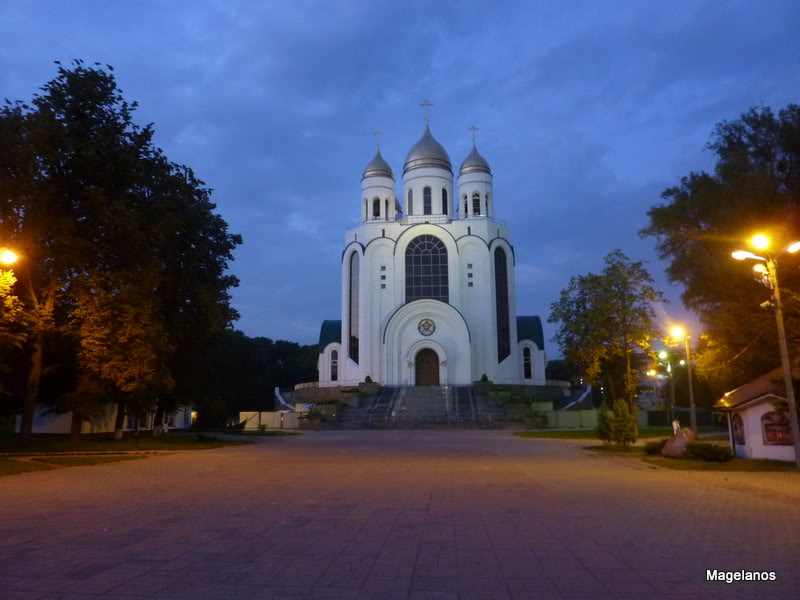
<point x="428" y="287"/>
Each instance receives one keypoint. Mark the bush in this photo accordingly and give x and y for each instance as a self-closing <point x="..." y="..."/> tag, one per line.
<point x="623" y="424"/>
<point x="655" y="447"/>
<point x="484" y="378"/>
<point x="604" y="423"/>
<point x="368" y="379"/>
<point x="708" y="452"/>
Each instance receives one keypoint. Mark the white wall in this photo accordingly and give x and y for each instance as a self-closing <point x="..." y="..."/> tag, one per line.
<point x="754" y="439"/>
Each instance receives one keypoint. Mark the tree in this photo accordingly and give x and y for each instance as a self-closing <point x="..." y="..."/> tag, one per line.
<point x="755" y="186"/>
<point x="604" y="423"/>
<point x="13" y="327"/>
<point x="623" y="424"/>
<point x="122" y="248"/>
<point x="605" y="319"/>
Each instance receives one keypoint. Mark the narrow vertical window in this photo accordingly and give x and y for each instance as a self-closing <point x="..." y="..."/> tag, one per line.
<point x="426" y="200"/>
<point x="410" y="202"/>
<point x="376" y="208"/>
<point x="501" y="304"/>
<point x="334" y="365"/>
<point x="353" y="312"/>
<point x="444" y="201"/>
<point x="466" y="212"/>
<point x="386" y="212"/>
<point x="476" y="203"/>
<point x="366" y="209"/>
<point x="526" y="362"/>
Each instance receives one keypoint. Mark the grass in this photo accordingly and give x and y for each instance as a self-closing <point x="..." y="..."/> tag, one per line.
<point x="270" y="433"/>
<point x="79" y="461"/>
<point x="107" y="443"/>
<point x="737" y="464"/>
<point x="9" y="466"/>
<point x="591" y="434"/>
<point x="687" y="464"/>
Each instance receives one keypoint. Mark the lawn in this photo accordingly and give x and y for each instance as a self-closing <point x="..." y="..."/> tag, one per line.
<point x="591" y="434"/>
<point x="9" y="466"/>
<point x="737" y="464"/>
<point x="687" y="464"/>
<point x="106" y="443"/>
<point x="270" y="433"/>
<point x="80" y="461"/>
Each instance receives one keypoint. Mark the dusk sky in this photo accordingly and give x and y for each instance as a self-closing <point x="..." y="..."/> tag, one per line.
<point x="586" y="110"/>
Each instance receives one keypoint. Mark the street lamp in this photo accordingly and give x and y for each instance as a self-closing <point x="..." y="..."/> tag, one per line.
<point x="678" y="333"/>
<point x="8" y="257"/>
<point x="654" y="374"/>
<point x="766" y="272"/>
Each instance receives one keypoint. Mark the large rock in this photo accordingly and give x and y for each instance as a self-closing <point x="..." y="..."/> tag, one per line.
<point x="676" y="446"/>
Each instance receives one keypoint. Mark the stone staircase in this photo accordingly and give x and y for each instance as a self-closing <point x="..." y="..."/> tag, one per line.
<point x="422" y="407"/>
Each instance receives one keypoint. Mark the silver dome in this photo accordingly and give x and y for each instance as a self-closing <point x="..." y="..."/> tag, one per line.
<point x="377" y="167"/>
<point x="474" y="163"/>
<point x="427" y="152"/>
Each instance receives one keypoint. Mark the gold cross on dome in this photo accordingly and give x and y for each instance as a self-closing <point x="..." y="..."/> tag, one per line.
<point x="473" y="129"/>
<point x="426" y="104"/>
<point x="378" y="133"/>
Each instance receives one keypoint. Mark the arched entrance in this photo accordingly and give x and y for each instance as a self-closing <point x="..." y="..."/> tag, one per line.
<point x="426" y="367"/>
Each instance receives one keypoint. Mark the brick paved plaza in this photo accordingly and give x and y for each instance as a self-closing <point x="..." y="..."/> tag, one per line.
<point x="394" y="514"/>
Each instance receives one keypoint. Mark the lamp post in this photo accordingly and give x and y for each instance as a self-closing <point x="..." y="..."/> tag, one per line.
<point x="664" y="355"/>
<point x="677" y="333"/>
<point x="766" y="272"/>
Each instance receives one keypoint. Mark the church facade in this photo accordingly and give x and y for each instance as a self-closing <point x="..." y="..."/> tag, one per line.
<point x="428" y="286"/>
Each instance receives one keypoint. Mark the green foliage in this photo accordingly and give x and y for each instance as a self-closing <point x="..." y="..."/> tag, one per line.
<point x="484" y="378"/>
<point x="655" y="446"/>
<point x="754" y="186"/>
<point x="124" y="256"/>
<point x="560" y="370"/>
<point x="708" y="452"/>
<point x="623" y="424"/>
<point x="368" y="379"/>
<point x="243" y="371"/>
<point x="605" y="319"/>
<point x="604" y="423"/>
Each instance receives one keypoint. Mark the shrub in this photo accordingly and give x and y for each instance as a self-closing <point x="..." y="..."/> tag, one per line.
<point x="623" y="424"/>
<point x="484" y="378"/>
<point x="368" y="379"/>
<point x="655" y="447"/>
<point x="604" y="423"/>
<point x="708" y="452"/>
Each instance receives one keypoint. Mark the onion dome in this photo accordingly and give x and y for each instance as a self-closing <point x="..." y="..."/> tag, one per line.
<point x="377" y="167"/>
<point x="427" y="152"/>
<point x="474" y="163"/>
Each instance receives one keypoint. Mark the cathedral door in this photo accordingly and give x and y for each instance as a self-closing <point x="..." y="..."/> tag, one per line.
<point x="426" y="367"/>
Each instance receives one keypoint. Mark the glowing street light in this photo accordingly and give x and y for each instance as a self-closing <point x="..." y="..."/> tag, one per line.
<point x="677" y="333"/>
<point x="759" y="241"/>
<point x="766" y="273"/>
<point x="663" y="355"/>
<point x="8" y="257"/>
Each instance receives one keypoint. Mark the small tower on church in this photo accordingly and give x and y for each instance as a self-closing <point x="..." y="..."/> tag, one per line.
<point x="475" y="185"/>
<point x="377" y="191"/>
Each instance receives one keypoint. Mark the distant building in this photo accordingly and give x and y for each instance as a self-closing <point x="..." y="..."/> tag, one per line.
<point x="428" y="285"/>
<point x="47" y="421"/>
<point x="756" y="429"/>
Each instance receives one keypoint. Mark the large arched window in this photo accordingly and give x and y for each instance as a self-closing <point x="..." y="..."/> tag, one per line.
<point x="334" y="365"/>
<point x="426" y="201"/>
<point x="501" y="304"/>
<point x="476" y="203"/>
<point x="527" y="372"/>
<point x="410" y="202"/>
<point x="353" y="308"/>
<point x="426" y="269"/>
<point x="376" y="208"/>
<point x="444" y="201"/>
